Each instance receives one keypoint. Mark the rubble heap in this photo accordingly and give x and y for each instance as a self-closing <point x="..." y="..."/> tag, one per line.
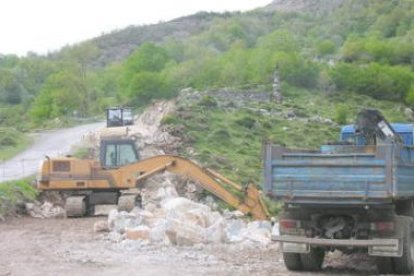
<point x="44" y="210"/>
<point x="168" y="219"/>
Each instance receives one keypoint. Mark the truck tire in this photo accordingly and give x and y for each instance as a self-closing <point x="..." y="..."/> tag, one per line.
<point x="385" y="265"/>
<point x="404" y="264"/>
<point x="405" y="208"/>
<point x="292" y="261"/>
<point x="313" y="260"/>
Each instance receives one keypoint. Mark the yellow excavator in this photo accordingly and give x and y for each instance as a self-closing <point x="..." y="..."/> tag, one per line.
<point x="117" y="177"/>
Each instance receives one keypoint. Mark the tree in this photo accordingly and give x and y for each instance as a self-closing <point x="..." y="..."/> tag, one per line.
<point x="145" y="86"/>
<point x="297" y="70"/>
<point x="410" y="96"/>
<point x="148" y="57"/>
<point x="375" y="80"/>
<point x="62" y="93"/>
<point x="144" y="65"/>
<point x="11" y="91"/>
<point x="325" y="47"/>
<point x="280" y="41"/>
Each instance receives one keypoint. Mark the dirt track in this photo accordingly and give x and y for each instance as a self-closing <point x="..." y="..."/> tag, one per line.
<point x="70" y="247"/>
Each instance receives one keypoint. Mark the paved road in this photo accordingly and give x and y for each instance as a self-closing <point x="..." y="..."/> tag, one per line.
<point x="51" y="143"/>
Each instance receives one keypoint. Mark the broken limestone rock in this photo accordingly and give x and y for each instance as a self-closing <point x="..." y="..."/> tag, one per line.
<point x="45" y="210"/>
<point x="158" y="232"/>
<point x="189" y="223"/>
<point x="182" y="222"/>
<point x="119" y="221"/>
<point x="148" y="218"/>
<point x="183" y="205"/>
<point x="275" y="229"/>
<point x="258" y="232"/>
<point x="216" y="233"/>
<point x="100" y="226"/>
<point x="210" y="202"/>
<point x="184" y="234"/>
<point x="141" y="232"/>
<point x="103" y="210"/>
<point x="190" y="212"/>
<point x="234" y="230"/>
<point x="158" y="189"/>
<point x="227" y="214"/>
<point x="115" y="237"/>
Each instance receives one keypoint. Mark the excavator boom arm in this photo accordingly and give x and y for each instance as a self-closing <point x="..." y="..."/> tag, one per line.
<point x="252" y="202"/>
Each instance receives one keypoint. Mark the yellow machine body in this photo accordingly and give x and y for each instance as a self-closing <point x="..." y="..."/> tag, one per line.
<point x="88" y="180"/>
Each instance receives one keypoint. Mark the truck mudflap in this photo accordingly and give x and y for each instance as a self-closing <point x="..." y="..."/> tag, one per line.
<point x="376" y="247"/>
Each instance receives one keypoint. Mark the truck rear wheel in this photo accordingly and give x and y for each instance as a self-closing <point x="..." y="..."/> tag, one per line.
<point x="292" y="261"/>
<point x="385" y="265"/>
<point x="405" y="208"/>
<point x="313" y="260"/>
<point x="404" y="264"/>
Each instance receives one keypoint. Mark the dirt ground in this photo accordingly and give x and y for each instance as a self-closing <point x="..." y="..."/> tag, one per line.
<point x="31" y="246"/>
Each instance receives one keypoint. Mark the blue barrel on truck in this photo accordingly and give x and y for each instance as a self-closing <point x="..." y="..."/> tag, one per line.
<point x="346" y="196"/>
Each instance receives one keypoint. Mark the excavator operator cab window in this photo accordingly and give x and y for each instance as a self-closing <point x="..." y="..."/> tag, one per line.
<point x="128" y="118"/>
<point x="114" y="117"/>
<point x="116" y="154"/>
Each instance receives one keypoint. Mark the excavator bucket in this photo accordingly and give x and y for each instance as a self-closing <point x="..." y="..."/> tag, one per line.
<point x="254" y="199"/>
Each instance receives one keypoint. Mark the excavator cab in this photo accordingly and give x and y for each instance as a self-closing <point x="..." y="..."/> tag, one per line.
<point x="117" y="153"/>
<point x="119" y="116"/>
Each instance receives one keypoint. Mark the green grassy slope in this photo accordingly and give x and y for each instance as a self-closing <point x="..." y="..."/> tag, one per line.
<point x="230" y="139"/>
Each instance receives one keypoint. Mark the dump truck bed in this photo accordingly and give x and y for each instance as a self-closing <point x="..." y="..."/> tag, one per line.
<point x="356" y="175"/>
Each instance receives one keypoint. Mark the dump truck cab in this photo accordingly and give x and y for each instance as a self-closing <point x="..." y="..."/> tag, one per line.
<point x="405" y="131"/>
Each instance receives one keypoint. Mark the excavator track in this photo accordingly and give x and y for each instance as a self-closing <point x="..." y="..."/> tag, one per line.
<point x="128" y="202"/>
<point x="75" y="206"/>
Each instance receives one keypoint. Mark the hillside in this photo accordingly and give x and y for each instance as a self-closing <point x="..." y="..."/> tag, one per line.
<point x="347" y="51"/>
<point x="117" y="45"/>
<point x="313" y="6"/>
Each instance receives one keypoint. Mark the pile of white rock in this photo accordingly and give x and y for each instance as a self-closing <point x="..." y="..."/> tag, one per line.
<point x="45" y="210"/>
<point x="183" y="222"/>
<point x="170" y="219"/>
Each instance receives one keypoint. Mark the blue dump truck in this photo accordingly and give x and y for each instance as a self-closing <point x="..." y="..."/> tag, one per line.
<point x="355" y="195"/>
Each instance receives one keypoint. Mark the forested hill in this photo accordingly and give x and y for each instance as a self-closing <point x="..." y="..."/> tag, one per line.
<point x="117" y="45"/>
<point x="326" y="46"/>
<point x="306" y="6"/>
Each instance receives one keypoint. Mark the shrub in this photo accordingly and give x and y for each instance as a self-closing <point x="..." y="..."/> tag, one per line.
<point x="208" y="101"/>
<point x="247" y="122"/>
<point x="341" y="115"/>
<point x="9" y="137"/>
<point x="220" y="135"/>
<point x="11" y="193"/>
<point x="169" y="120"/>
<point x="375" y="80"/>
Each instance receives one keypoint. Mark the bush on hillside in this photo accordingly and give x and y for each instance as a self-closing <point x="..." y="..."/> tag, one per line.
<point x="375" y="80"/>
<point x="9" y="137"/>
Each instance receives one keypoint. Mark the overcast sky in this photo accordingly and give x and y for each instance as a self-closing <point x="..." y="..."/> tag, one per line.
<point x="45" y="25"/>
